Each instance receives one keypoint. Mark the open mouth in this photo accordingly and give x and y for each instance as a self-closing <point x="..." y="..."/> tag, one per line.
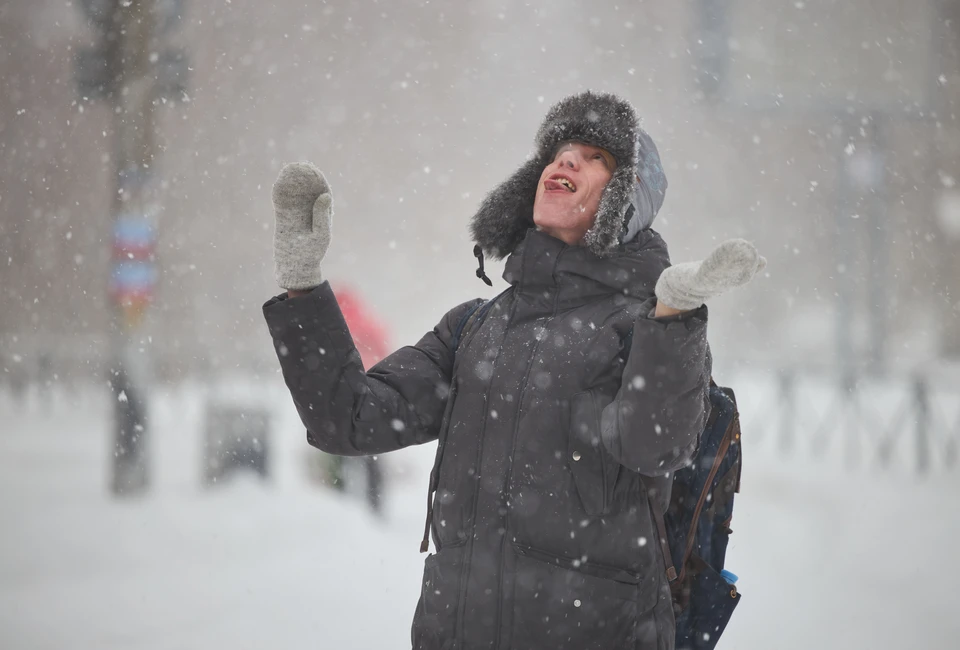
<point x="558" y="182"/>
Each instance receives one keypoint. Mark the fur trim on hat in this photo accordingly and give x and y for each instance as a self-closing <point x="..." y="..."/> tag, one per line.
<point x="632" y="197"/>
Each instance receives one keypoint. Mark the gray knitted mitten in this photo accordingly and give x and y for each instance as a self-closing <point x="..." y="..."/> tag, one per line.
<point x="304" y="213"/>
<point x="731" y="264"/>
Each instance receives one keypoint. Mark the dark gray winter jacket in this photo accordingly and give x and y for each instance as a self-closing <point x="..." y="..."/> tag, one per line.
<point x="543" y="532"/>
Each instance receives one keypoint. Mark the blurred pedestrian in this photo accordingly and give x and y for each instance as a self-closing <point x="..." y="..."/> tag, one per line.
<point x="370" y="338"/>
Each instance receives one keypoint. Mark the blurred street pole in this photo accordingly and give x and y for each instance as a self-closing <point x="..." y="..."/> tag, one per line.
<point x="845" y="305"/>
<point x="133" y="123"/>
<point x="129" y="71"/>
<point x="879" y="276"/>
<point x="862" y="197"/>
<point x="947" y="209"/>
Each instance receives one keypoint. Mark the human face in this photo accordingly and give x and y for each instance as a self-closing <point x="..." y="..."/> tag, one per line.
<point x="568" y="194"/>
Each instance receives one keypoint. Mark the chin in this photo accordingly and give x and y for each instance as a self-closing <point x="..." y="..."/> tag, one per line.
<point x="551" y="221"/>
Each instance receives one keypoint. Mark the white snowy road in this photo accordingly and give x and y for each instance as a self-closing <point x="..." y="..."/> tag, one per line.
<point x="825" y="561"/>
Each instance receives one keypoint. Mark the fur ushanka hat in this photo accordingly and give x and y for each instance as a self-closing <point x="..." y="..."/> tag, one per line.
<point x="630" y="201"/>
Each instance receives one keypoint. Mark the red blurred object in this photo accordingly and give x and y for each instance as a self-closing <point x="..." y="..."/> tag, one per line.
<point x="369" y="334"/>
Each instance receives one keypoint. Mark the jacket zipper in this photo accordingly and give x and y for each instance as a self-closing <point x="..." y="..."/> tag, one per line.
<point x="721" y="452"/>
<point x="508" y="484"/>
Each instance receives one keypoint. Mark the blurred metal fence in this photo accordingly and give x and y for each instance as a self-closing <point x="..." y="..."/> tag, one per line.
<point x="907" y="422"/>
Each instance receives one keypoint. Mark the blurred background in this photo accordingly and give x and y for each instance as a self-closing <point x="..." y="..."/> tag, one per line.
<point x="138" y="145"/>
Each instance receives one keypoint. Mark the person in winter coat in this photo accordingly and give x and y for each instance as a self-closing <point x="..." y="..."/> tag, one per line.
<point x="560" y="413"/>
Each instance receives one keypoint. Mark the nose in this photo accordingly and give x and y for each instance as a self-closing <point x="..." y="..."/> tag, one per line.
<point x="569" y="158"/>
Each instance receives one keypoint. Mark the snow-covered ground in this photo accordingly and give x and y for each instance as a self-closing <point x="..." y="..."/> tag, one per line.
<point x="826" y="560"/>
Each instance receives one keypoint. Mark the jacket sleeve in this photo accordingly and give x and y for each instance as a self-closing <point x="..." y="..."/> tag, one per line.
<point x="653" y="426"/>
<point x="347" y="411"/>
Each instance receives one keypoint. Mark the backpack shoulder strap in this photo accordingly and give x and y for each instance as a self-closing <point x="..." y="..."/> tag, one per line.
<point x="658" y="519"/>
<point x="463" y="325"/>
<point x="471" y="318"/>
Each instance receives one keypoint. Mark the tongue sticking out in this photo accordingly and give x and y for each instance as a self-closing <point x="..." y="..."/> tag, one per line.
<point x="559" y="184"/>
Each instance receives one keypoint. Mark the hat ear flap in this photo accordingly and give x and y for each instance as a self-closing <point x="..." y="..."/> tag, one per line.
<point x="506" y="213"/>
<point x="604" y="235"/>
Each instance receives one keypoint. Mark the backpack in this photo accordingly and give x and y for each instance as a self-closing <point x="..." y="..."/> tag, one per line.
<point x="695" y="529"/>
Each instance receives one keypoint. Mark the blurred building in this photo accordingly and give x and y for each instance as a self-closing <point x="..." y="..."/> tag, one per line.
<point x="825" y="131"/>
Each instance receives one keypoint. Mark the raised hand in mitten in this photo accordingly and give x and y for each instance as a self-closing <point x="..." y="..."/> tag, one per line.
<point x="304" y="213"/>
<point x="687" y="286"/>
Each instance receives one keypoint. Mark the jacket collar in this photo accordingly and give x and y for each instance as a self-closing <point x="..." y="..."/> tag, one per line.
<point x="547" y="270"/>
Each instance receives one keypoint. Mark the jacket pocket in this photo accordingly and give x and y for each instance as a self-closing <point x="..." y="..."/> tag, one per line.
<point x="594" y="470"/>
<point x="434" y="622"/>
<point x="562" y="608"/>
